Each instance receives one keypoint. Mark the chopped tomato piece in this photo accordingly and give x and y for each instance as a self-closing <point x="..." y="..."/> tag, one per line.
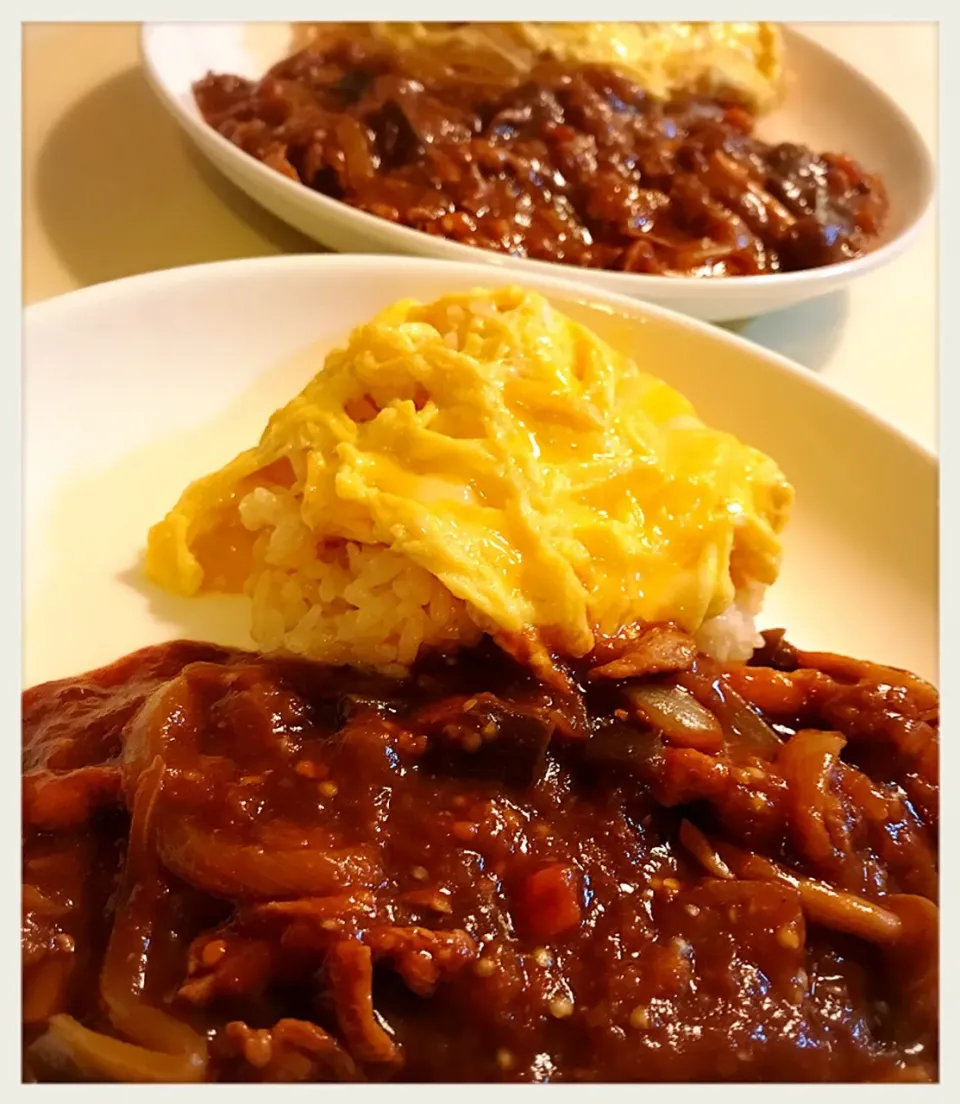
<point x="549" y="901"/>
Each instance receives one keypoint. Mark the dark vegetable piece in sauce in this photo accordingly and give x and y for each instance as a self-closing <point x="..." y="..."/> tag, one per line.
<point x="259" y="870"/>
<point x="576" y="164"/>
<point x="483" y="737"/>
<point x="677" y="714"/>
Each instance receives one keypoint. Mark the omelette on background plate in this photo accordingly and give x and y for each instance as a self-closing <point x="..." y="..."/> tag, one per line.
<point x="481" y="464"/>
<point x="742" y="62"/>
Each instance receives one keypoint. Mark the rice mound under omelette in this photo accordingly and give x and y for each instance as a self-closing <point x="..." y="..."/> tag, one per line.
<point x="479" y="464"/>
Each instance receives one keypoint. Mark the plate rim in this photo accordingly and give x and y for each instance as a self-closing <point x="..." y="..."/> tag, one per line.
<point x="300" y="195"/>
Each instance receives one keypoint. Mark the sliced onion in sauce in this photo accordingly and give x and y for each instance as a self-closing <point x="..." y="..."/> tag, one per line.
<point x="71" y="1049"/>
<point x="742" y="726"/>
<point x="677" y="714"/>
<point x="703" y="851"/>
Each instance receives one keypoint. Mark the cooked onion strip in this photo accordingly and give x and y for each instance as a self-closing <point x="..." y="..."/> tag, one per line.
<point x="165" y="725"/>
<point x="807" y="761"/>
<point x="248" y="871"/>
<point x="134" y="929"/>
<point x="68" y="1046"/>
<point x="749" y="731"/>
<point x="677" y="714"/>
<point x="825" y="905"/>
<point x="703" y="850"/>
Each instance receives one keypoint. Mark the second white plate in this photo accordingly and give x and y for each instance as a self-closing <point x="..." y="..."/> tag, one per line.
<point x="828" y="106"/>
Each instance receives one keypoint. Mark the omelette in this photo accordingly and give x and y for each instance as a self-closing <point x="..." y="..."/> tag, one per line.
<point x="742" y="62"/>
<point x="480" y="464"/>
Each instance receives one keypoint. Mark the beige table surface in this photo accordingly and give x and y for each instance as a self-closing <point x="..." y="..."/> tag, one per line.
<point x="112" y="189"/>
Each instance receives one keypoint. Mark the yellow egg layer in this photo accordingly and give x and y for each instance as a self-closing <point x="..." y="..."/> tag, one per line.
<point x="741" y="61"/>
<point x="541" y="477"/>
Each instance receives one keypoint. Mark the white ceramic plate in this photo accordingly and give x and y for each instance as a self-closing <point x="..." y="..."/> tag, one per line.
<point x="133" y="389"/>
<point x="829" y="106"/>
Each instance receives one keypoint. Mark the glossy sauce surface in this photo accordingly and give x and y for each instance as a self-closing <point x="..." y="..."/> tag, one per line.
<point x="577" y="165"/>
<point x="275" y="871"/>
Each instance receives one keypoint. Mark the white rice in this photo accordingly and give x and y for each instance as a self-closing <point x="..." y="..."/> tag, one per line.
<point x="732" y="635"/>
<point x="365" y="605"/>
<point x="343" y="603"/>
